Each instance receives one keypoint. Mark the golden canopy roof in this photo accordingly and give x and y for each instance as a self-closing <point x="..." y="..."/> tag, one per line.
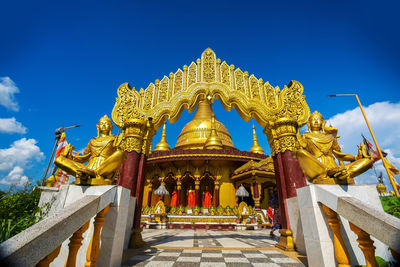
<point x="195" y="133"/>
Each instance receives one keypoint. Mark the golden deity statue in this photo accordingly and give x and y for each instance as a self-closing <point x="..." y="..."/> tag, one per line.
<point x="102" y="154"/>
<point x="318" y="148"/>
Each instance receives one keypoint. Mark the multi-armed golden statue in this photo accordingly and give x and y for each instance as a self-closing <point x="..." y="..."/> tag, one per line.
<point x="102" y="154"/>
<point x="317" y="148"/>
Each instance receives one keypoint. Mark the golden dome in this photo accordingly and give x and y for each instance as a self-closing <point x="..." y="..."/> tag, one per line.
<point x="196" y="132"/>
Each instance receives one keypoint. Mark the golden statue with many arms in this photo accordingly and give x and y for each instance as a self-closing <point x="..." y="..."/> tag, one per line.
<point x="102" y="154"/>
<point x="316" y="154"/>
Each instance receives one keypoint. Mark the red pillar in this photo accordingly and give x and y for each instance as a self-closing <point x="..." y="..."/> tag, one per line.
<point x="139" y="190"/>
<point x="129" y="171"/>
<point x="289" y="177"/>
<point x="256" y="196"/>
<point x="216" y="196"/>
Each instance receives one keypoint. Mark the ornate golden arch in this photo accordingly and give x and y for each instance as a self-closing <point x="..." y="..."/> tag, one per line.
<point x="277" y="111"/>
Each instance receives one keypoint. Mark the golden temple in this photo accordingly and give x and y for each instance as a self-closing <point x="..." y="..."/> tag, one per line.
<point x="205" y="160"/>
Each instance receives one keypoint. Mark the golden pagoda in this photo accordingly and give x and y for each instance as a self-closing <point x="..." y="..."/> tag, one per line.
<point x="203" y="172"/>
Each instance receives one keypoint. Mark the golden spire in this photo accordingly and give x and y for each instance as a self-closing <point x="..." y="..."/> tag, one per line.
<point x="163" y="145"/>
<point x="255" y="148"/>
<point x="196" y="132"/>
<point x="213" y="141"/>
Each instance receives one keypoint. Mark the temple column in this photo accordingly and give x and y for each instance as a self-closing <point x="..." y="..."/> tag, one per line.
<point x="178" y="191"/>
<point x="137" y="135"/>
<point x="149" y="192"/>
<point x="256" y="191"/>
<point x="216" y="193"/>
<point x="197" y="191"/>
<point x="282" y="138"/>
<point x="134" y="130"/>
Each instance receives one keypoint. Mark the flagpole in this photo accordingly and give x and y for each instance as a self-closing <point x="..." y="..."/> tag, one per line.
<point x="376" y="143"/>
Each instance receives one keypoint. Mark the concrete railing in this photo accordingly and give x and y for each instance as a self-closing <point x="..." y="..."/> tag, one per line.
<point x="343" y="225"/>
<point x="81" y="214"/>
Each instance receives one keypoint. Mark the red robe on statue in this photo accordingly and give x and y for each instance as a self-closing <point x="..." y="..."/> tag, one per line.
<point x="191" y="198"/>
<point x="174" y="199"/>
<point x="207" y="199"/>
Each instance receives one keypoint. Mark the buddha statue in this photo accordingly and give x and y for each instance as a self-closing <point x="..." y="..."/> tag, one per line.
<point x="102" y="154"/>
<point x="318" y="148"/>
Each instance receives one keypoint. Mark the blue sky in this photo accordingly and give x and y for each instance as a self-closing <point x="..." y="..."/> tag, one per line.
<point x="62" y="62"/>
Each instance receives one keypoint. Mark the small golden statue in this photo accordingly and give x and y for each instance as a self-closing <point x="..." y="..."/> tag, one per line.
<point x="102" y="154"/>
<point x="316" y="154"/>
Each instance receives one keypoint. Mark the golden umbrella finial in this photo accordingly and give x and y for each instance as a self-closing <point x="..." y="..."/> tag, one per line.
<point x="213" y="141"/>
<point x="256" y="148"/>
<point x="163" y="145"/>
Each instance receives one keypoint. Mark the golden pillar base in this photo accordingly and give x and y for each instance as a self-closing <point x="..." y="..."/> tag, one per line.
<point x="286" y="240"/>
<point x="136" y="239"/>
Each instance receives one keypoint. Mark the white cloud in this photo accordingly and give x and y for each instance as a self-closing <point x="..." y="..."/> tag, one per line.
<point x="384" y="118"/>
<point x="19" y="156"/>
<point x="7" y="91"/>
<point x="15" y="177"/>
<point x="11" y="125"/>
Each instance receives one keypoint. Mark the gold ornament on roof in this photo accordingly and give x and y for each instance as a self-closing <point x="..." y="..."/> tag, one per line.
<point x="256" y="148"/>
<point x="163" y="145"/>
<point x="318" y="150"/>
<point x="213" y="141"/>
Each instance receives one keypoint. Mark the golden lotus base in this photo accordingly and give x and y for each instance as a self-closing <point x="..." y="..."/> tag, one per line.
<point x="136" y="239"/>
<point x="286" y="240"/>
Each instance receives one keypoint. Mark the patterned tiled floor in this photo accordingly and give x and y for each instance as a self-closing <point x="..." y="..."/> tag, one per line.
<point x="208" y="248"/>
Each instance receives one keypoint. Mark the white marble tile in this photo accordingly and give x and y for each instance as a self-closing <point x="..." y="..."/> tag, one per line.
<point x="285" y="260"/>
<point x="229" y="251"/>
<point x="253" y="255"/>
<point x="212" y="255"/>
<point x="269" y="264"/>
<point x="188" y="259"/>
<point x="192" y="251"/>
<point x="169" y="254"/>
<point x="240" y="260"/>
<point x="212" y="264"/>
<point x="160" y="263"/>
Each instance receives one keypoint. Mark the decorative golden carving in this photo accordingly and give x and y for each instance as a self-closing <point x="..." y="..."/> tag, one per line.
<point x="192" y="74"/>
<point x="75" y="242"/>
<point x="281" y="135"/>
<point x="231" y="90"/>
<point x="94" y="246"/>
<point x="134" y="132"/>
<point x="341" y="252"/>
<point x="178" y="81"/>
<point x="366" y="245"/>
<point x="208" y="58"/>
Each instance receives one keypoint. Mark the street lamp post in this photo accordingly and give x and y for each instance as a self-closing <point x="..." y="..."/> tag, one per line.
<point x="376" y="143"/>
